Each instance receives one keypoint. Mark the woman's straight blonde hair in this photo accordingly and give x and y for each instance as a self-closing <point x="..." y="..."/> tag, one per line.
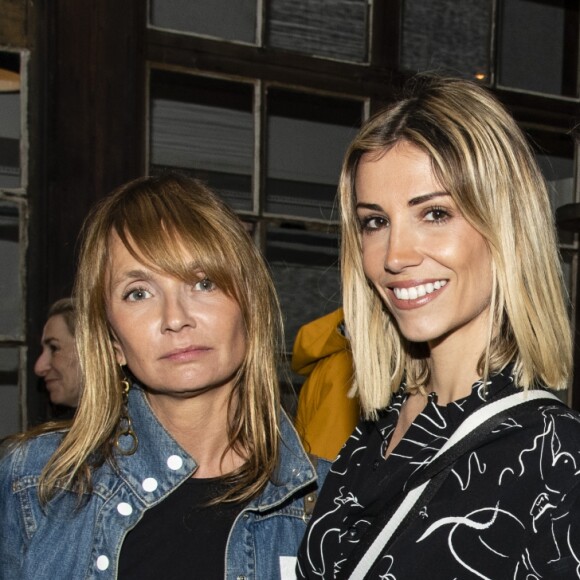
<point x="482" y="159"/>
<point x="155" y="218"/>
<point x="64" y="307"/>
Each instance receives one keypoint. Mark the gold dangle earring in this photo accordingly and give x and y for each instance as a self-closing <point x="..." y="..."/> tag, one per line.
<point x="125" y="428"/>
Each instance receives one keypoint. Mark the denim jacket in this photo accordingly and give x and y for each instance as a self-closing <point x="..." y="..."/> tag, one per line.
<point x="68" y="540"/>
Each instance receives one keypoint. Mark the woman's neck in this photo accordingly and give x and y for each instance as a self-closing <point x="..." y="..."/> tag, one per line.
<point x="453" y="370"/>
<point x="200" y="426"/>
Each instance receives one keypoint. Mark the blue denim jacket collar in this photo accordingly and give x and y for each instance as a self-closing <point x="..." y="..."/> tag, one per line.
<point x="294" y="471"/>
<point x="156" y="447"/>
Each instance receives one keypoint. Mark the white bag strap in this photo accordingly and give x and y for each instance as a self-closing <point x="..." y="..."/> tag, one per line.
<point x="468" y="426"/>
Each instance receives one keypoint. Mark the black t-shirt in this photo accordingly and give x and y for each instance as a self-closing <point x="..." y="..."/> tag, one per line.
<point x="181" y="537"/>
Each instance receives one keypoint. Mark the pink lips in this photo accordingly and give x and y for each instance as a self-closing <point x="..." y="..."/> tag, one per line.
<point x="411" y="304"/>
<point x="186" y="354"/>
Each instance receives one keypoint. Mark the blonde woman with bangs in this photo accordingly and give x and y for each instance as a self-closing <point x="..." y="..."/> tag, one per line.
<point x="180" y="462"/>
<point x="465" y="465"/>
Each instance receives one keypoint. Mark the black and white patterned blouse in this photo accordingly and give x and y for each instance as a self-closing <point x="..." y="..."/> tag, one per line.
<point x="508" y="509"/>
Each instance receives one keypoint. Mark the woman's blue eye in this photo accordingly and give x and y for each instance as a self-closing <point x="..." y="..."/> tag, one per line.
<point x="205" y="285"/>
<point x="136" y="295"/>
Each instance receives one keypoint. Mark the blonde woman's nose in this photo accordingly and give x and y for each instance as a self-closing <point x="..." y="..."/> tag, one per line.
<point x="401" y="249"/>
<point x="42" y="364"/>
<point x="176" y="313"/>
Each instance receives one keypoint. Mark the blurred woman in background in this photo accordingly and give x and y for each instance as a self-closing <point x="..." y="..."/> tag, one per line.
<point x="58" y="364"/>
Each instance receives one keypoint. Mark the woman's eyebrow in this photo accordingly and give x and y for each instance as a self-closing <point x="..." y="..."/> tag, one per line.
<point x="426" y="197"/>
<point x="371" y="206"/>
<point x="132" y="275"/>
<point x="412" y="202"/>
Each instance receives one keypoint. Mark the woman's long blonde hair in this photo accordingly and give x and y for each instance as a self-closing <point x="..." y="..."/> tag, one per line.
<point x="480" y="156"/>
<point x="156" y="217"/>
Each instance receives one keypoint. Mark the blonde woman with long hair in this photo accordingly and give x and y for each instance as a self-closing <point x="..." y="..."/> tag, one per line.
<point x="58" y="363"/>
<point x="180" y="462"/>
<point x="466" y="465"/>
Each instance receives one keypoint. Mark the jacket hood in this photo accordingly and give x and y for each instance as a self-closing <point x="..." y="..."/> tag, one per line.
<point x="317" y="340"/>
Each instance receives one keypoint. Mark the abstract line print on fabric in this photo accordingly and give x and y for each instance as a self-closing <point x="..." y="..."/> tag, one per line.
<point x="510" y="505"/>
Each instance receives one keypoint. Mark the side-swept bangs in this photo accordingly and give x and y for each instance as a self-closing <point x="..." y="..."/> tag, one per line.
<point x="183" y="231"/>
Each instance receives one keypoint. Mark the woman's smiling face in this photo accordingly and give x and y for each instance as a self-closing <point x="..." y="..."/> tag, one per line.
<point x="178" y="338"/>
<point x="58" y="363"/>
<point x="431" y="267"/>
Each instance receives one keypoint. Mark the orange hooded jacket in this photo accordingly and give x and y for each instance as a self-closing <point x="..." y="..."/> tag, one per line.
<point x="326" y="416"/>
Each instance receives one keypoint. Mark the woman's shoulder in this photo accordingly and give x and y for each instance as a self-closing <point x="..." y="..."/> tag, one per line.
<point x="553" y="446"/>
<point x="29" y="455"/>
<point x="538" y="417"/>
<point x="543" y="440"/>
<point x="565" y="419"/>
<point x="556" y="410"/>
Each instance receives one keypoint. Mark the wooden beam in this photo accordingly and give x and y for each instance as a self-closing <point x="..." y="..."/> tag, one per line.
<point x="14" y="23"/>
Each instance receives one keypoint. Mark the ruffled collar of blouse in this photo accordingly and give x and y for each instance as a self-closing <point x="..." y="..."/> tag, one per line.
<point x="456" y="411"/>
